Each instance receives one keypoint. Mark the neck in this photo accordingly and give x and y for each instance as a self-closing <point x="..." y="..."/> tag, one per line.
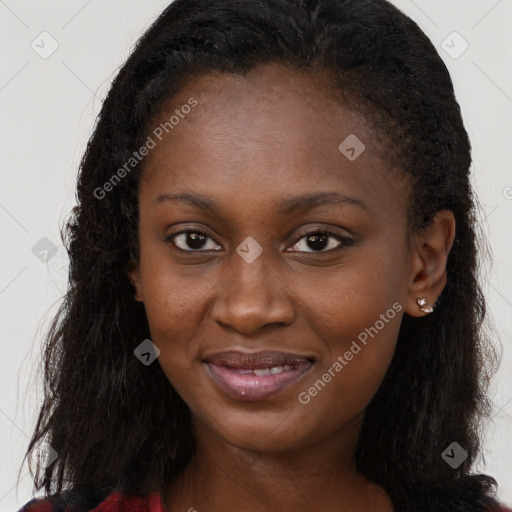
<point x="321" y="476"/>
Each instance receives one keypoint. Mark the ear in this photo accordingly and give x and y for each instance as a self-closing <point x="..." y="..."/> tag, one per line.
<point x="132" y="270"/>
<point x="429" y="254"/>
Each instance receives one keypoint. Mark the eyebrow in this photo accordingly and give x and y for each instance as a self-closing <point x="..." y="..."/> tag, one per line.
<point x="286" y="206"/>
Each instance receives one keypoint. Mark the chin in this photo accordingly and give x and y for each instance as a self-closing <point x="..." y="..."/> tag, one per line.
<point x="260" y="431"/>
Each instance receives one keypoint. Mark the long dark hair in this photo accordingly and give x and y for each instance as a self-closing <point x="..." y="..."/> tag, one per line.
<point x="118" y="424"/>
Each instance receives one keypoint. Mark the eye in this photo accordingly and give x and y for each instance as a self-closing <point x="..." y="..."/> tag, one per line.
<point x="193" y="241"/>
<point x="315" y="241"/>
<point x="321" y="241"/>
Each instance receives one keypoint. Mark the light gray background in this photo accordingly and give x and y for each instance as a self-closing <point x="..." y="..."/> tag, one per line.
<point x="48" y="108"/>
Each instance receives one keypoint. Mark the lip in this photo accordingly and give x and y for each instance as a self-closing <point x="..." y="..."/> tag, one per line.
<point x="233" y="372"/>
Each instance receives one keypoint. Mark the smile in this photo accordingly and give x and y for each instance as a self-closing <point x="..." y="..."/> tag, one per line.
<point x="256" y="376"/>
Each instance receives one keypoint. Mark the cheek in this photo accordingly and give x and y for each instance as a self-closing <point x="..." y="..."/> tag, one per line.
<point x="348" y="299"/>
<point x="173" y="308"/>
<point x="352" y="370"/>
<point x="356" y="318"/>
<point x="169" y="296"/>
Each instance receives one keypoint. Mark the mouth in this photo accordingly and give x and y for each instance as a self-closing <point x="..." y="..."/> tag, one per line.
<point x="258" y="375"/>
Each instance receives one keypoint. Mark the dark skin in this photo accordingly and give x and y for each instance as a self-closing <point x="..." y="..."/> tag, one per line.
<point x="250" y="143"/>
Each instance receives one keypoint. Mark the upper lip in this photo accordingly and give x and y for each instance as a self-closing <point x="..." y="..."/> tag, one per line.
<point x="257" y="360"/>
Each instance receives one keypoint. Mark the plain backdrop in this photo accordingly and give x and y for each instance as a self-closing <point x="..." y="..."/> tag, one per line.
<point x="48" y="105"/>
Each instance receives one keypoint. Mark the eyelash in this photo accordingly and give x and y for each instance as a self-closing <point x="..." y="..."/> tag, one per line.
<point x="344" y="241"/>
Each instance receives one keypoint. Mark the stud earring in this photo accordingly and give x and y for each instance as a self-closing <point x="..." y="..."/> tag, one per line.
<point x="423" y="305"/>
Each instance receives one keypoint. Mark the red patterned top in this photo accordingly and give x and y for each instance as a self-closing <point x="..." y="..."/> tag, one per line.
<point x="114" y="502"/>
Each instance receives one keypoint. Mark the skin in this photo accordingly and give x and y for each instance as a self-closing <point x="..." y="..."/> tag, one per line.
<point x="250" y="142"/>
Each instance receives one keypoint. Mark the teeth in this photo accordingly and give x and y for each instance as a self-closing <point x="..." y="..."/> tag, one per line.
<point x="262" y="372"/>
<point x="272" y="371"/>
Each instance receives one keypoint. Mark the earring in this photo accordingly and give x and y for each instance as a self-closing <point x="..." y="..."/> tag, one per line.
<point x="423" y="305"/>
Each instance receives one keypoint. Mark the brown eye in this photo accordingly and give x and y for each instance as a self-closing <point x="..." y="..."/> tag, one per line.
<point x="319" y="241"/>
<point x="192" y="241"/>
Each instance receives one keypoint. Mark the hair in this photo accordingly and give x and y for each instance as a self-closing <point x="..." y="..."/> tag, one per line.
<point x="118" y="424"/>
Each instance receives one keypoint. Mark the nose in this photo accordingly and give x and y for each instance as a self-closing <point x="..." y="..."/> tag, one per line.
<point x="252" y="296"/>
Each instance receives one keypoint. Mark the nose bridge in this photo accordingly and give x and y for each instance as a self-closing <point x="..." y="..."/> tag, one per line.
<point x="249" y="279"/>
<point x="252" y="295"/>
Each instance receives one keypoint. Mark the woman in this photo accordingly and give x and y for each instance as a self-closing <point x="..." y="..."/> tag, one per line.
<point x="273" y="300"/>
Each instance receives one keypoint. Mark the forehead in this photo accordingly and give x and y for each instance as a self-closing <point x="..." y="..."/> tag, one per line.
<point x="269" y="132"/>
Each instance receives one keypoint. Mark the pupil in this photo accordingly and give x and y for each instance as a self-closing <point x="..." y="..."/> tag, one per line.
<point x="195" y="240"/>
<point x="318" y="242"/>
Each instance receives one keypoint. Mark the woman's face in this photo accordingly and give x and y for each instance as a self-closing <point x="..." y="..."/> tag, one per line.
<point x="240" y="263"/>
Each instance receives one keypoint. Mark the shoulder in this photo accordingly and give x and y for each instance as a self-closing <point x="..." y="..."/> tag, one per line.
<point x="114" y="501"/>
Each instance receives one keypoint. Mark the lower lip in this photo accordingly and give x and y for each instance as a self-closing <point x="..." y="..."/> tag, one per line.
<point x="251" y="387"/>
